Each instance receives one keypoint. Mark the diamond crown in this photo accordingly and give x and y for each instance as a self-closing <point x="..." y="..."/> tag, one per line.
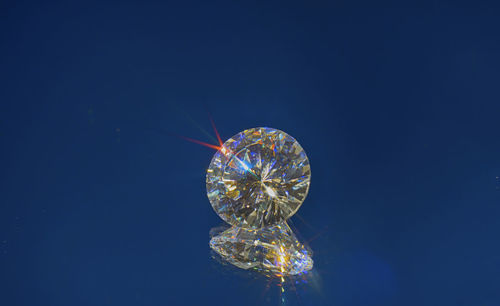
<point x="258" y="178"/>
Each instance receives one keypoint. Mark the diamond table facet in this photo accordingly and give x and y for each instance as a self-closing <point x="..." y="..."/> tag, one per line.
<point x="258" y="178"/>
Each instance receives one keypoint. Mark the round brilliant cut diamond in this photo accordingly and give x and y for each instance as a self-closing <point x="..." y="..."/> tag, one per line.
<point x="258" y="178"/>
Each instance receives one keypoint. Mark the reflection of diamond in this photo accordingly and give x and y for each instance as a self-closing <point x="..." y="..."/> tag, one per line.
<point x="272" y="249"/>
<point x="258" y="178"/>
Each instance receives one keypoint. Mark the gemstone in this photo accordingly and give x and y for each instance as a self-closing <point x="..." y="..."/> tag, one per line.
<point x="273" y="249"/>
<point x="258" y="178"/>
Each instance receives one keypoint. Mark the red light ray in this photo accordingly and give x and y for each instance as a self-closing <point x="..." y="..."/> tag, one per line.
<point x="215" y="129"/>
<point x="208" y="145"/>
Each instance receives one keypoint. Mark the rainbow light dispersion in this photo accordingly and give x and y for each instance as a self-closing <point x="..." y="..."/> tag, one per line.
<point x="258" y="178"/>
<point x="273" y="249"/>
<point x="255" y="182"/>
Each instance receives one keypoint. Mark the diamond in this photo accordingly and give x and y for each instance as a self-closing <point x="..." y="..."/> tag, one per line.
<point x="258" y="178"/>
<point x="273" y="249"/>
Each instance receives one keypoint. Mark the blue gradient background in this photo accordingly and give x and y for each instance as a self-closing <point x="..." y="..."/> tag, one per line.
<point x="397" y="105"/>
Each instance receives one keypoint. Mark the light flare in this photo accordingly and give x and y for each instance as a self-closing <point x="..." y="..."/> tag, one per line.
<point x="208" y="145"/>
<point x="215" y="129"/>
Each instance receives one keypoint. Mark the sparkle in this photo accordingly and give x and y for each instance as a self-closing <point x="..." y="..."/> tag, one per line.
<point x="274" y="249"/>
<point x="258" y="178"/>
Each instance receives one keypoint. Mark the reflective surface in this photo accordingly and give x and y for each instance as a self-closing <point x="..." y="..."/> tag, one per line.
<point x="270" y="250"/>
<point x="396" y="104"/>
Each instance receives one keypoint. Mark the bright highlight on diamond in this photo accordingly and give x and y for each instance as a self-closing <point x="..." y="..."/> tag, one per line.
<point x="258" y="178"/>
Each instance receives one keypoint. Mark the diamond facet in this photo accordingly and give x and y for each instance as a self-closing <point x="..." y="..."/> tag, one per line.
<point x="258" y="178"/>
<point x="273" y="249"/>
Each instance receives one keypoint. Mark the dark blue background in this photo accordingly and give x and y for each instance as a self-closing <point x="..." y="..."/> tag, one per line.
<point x="396" y="104"/>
